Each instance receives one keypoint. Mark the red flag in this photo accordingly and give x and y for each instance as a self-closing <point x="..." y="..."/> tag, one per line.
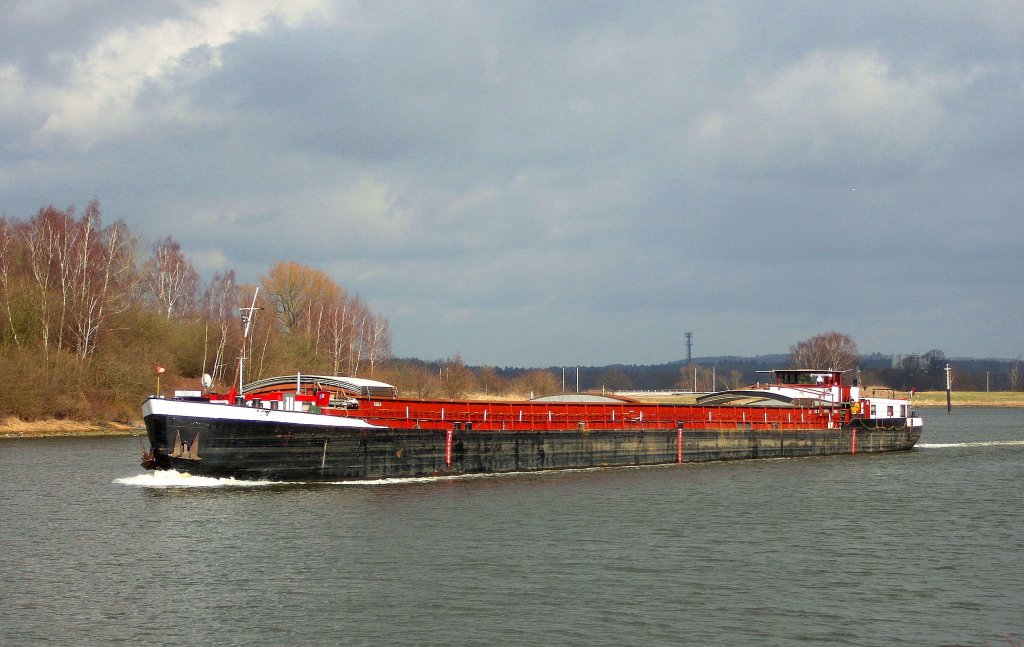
<point x="160" y="369"/>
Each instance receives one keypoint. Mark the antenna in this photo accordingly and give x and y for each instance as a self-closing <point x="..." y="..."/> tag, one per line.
<point x="689" y="348"/>
<point x="248" y="314"/>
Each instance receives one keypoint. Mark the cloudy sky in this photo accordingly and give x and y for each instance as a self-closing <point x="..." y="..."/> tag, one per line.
<point x="554" y="183"/>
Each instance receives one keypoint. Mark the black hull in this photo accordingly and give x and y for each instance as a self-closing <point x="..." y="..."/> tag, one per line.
<point x="284" y="452"/>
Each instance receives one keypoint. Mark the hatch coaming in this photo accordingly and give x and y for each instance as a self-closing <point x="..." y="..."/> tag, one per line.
<point x="789" y="387"/>
<point x="816" y="398"/>
<point x="339" y="386"/>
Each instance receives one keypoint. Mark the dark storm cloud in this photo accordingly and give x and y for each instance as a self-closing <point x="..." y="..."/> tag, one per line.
<point x="555" y="182"/>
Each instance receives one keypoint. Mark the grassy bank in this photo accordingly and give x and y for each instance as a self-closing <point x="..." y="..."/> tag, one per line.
<point x="970" y="399"/>
<point x="922" y="399"/>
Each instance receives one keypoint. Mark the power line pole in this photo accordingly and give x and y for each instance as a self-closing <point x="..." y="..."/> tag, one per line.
<point x="949" y="388"/>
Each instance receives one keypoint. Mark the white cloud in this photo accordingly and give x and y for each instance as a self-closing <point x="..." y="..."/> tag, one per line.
<point x="581" y="169"/>
<point x="830" y="106"/>
<point x="366" y="211"/>
<point x="209" y="261"/>
<point x="12" y="85"/>
<point x="98" y="98"/>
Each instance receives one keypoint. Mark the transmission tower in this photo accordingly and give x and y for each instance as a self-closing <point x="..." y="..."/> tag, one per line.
<point x="689" y="348"/>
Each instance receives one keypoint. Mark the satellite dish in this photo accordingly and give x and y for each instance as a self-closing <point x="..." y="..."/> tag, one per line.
<point x="206" y="381"/>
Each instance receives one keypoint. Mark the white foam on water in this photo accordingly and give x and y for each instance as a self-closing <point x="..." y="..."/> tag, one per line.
<point x="403" y="480"/>
<point x="413" y="479"/>
<point x="979" y="443"/>
<point x="175" y="479"/>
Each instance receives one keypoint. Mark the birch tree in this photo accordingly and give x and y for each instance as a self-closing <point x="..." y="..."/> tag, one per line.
<point x="170" y="278"/>
<point x="83" y="274"/>
<point x="101" y="275"/>
<point x="7" y="252"/>
<point x="41" y="238"/>
<point x="220" y="309"/>
<point x="378" y="342"/>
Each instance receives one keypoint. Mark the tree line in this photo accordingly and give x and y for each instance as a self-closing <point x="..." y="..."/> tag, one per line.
<point x="88" y="311"/>
<point x="835" y="350"/>
<point x="927" y="372"/>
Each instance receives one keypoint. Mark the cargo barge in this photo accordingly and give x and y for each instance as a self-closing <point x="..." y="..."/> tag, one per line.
<point x="325" y="428"/>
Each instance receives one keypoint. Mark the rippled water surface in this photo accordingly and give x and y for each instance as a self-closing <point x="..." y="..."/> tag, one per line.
<point x="917" y="548"/>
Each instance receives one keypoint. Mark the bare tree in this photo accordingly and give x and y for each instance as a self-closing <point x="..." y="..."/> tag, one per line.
<point x="832" y="350"/>
<point x="220" y="309"/>
<point x="1013" y="375"/>
<point x="338" y="333"/>
<point x="491" y="381"/>
<point x="538" y="383"/>
<point x="419" y="380"/>
<point x="261" y="331"/>
<point x="323" y="322"/>
<point x="297" y="291"/>
<point x="171" y="279"/>
<point x="83" y="273"/>
<point x="353" y="335"/>
<point x="456" y="379"/>
<point x="695" y="378"/>
<point x="735" y="379"/>
<point x="101" y="276"/>
<point x="6" y="292"/>
<point x="41" y="235"/>
<point x="379" y="342"/>
<point x="359" y="314"/>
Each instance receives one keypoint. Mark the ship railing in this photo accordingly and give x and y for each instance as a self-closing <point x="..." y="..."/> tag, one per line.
<point x="530" y="418"/>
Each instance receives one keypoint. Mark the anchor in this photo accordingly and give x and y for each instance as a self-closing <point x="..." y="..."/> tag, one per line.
<point x="148" y="458"/>
<point x="186" y="451"/>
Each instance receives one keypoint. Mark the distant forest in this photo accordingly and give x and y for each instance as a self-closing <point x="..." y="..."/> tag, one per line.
<point x="913" y="371"/>
<point x="91" y="317"/>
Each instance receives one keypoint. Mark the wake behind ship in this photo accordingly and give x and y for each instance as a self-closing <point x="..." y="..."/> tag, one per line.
<point x="325" y="428"/>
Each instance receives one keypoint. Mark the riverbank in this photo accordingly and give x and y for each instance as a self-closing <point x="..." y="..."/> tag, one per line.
<point x="12" y="427"/>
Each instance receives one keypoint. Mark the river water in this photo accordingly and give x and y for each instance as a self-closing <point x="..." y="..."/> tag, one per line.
<point x="917" y="548"/>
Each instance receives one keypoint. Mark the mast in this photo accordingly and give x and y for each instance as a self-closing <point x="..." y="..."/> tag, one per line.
<point x="248" y="314"/>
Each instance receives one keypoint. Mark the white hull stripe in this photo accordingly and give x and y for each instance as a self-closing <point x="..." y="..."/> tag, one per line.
<point x="161" y="407"/>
